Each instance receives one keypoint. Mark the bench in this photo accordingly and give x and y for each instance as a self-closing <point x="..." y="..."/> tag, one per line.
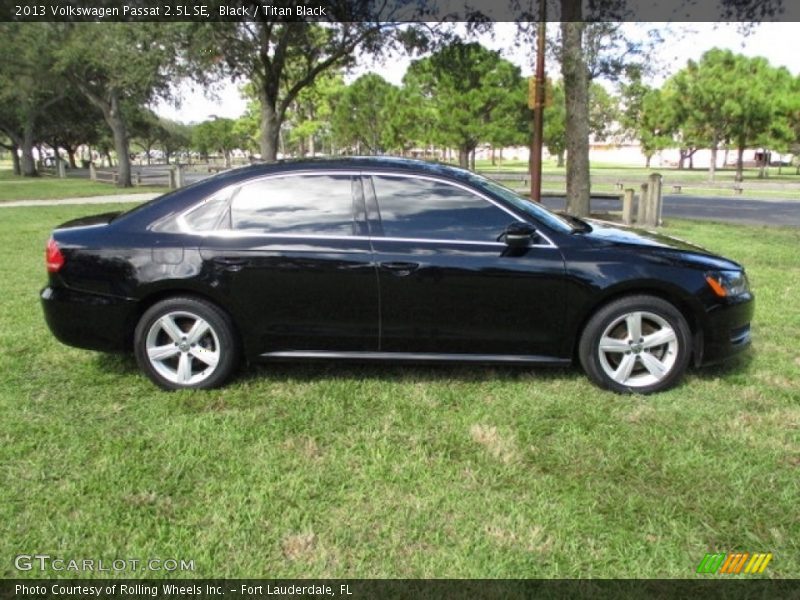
<point x="738" y="188"/>
<point x="677" y="189"/>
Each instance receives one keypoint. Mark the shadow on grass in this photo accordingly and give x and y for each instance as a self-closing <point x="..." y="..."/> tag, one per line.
<point x="121" y="364"/>
<point x="313" y="371"/>
<point x="737" y="365"/>
<point x="310" y="371"/>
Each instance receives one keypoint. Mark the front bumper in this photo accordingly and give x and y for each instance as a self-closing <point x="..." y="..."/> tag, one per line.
<point x="727" y="330"/>
<point x="86" y="320"/>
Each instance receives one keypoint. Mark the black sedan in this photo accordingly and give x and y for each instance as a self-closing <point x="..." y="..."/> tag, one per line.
<point x="392" y="259"/>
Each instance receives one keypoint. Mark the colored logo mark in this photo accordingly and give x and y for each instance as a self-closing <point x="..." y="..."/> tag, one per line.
<point x="736" y="563"/>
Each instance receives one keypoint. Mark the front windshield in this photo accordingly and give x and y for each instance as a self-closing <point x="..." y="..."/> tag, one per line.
<point x="536" y="210"/>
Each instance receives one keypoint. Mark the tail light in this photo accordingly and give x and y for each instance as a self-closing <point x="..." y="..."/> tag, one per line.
<point x="53" y="257"/>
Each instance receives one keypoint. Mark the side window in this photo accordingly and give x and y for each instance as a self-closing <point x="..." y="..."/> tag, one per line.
<point x="206" y="216"/>
<point x="425" y="209"/>
<point x="295" y="205"/>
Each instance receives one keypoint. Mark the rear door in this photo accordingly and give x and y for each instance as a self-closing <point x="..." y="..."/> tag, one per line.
<point x="293" y="256"/>
<point x="447" y="285"/>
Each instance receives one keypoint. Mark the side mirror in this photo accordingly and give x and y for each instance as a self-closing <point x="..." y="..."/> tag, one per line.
<point x="519" y="235"/>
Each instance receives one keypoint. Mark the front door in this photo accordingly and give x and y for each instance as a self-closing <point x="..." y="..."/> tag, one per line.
<point x="447" y="285"/>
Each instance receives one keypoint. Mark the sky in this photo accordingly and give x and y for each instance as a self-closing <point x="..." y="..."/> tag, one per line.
<point x="683" y="41"/>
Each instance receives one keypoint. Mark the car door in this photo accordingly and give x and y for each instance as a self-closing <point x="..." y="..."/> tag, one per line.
<point x="447" y="285"/>
<point x="294" y="258"/>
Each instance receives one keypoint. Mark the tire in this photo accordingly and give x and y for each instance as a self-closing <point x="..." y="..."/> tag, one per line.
<point x="652" y="361"/>
<point x="186" y="343"/>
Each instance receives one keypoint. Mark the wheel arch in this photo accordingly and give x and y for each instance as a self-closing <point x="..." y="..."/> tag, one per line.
<point x="156" y="296"/>
<point x="688" y="306"/>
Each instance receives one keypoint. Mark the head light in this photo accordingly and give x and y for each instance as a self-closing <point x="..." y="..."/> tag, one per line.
<point x="727" y="284"/>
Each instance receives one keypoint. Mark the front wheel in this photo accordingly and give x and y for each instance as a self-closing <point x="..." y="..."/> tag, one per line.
<point x="638" y="344"/>
<point x="185" y="343"/>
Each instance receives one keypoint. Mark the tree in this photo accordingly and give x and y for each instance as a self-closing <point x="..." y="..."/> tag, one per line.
<point x="119" y="67"/>
<point x="405" y="121"/>
<point x="29" y="86"/>
<point x="361" y="116"/>
<point x="282" y="58"/>
<point x="8" y="144"/>
<point x="469" y="88"/>
<point x="555" y="124"/>
<point x="603" y="113"/>
<point x="578" y="59"/>
<point x="727" y="96"/>
<point x="145" y="130"/>
<point x="175" y="137"/>
<point x="70" y="123"/>
<point x="217" y="135"/>
<point x="310" y="118"/>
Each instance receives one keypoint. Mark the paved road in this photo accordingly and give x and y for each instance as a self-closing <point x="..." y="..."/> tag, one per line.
<point x="727" y="210"/>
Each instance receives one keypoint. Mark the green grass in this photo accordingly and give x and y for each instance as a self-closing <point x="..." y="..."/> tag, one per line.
<point x="383" y="471"/>
<point x="13" y="187"/>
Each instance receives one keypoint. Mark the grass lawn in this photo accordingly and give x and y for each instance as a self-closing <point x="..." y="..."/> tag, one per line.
<point x="383" y="471"/>
<point x="13" y="187"/>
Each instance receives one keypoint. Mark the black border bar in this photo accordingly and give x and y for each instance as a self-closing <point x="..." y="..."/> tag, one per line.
<point x="368" y="589"/>
<point x="398" y="11"/>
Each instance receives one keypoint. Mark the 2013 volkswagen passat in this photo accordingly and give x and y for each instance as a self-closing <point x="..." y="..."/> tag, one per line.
<point x="377" y="258"/>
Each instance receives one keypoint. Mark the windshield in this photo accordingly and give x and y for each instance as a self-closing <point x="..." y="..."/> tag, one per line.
<point x="535" y="209"/>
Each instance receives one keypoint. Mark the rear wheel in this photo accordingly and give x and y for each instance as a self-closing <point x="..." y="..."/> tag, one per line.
<point x="638" y="344"/>
<point x="185" y="343"/>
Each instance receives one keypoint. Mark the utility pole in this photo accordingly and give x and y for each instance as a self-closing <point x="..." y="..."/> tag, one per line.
<point x="538" y="108"/>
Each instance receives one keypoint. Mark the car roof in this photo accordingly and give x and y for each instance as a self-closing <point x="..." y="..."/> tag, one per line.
<point x="388" y="163"/>
<point x="184" y="197"/>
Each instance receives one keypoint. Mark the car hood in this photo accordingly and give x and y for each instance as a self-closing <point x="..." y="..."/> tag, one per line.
<point x="604" y="233"/>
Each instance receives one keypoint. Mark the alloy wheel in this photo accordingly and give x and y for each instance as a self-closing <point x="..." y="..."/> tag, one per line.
<point x="638" y="349"/>
<point x="183" y="348"/>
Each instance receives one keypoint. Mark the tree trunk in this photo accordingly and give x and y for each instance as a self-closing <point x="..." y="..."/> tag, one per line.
<point x="682" y="159"/>
<point x="494" y="162"/>
<point x="740" y="163"/>
<point x="113" y="116"/>
<point x="463" y="157"/>
<point x="71" y="156"/>
<point x="762" y="167"/>
<point x="28" y="163"/>
<point x="56" y="158"/>
<point x="647" y="160"/>
<point x="712" y="166"/>
<point x="15" y="159"/>
<point x="560" y="159"/>
<point x="472" y="160"/>
<point x="270" y="129"/>
<point x="122" y="150"/>
<point x="576" y="90"/>
<point x="227" y="159"/>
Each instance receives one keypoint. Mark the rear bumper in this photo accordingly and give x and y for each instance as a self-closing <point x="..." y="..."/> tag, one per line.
<point x="727" y="332"/>
<point x="86" y="320"/>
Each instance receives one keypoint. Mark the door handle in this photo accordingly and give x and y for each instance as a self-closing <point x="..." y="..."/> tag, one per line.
<point x="231" y="263"/>
<point x="401" y="269"/>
